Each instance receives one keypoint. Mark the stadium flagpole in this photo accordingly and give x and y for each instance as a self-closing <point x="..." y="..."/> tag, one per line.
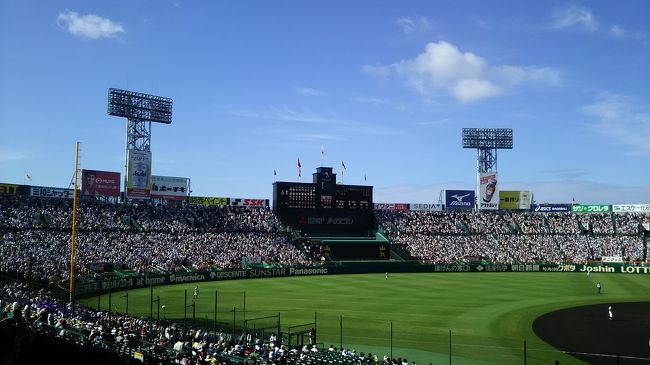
<point x="74" y="225"/>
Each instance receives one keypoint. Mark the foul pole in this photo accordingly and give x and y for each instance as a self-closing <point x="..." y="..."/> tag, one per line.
<point x="74" y="224"/>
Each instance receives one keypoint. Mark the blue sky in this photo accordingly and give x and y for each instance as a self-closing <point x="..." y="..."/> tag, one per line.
<point x="384" y="86"/>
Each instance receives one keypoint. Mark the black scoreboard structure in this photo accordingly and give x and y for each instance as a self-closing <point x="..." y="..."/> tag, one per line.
<point x="339" y="216"/>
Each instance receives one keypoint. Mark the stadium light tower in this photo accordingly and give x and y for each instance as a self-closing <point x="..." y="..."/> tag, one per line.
<point x="140" y="110"/>
<point x="487" y="141"/>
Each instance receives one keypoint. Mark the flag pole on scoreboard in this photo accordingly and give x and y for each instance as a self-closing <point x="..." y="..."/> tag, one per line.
<point x="299" y="166"/>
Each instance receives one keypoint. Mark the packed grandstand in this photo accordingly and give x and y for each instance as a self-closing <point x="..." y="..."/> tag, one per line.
<point x="115" y="238"/>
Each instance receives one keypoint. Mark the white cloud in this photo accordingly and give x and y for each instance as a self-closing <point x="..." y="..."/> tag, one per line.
<point x="615" y="117"/>
<point x="380" y="103"/>
<point x="413" y="24"/>
<point x="12" y="155"/>
<point x="471" y="90"/>
<point x="376" y="70"/>
<point x="617" y="31"/>
<point x="309" y="91"/>
<point x="464" y="75"/>
<point x="574" y="17"/>
<point x="89" y="26"/>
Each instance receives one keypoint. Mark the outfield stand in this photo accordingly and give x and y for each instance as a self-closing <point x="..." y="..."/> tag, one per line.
<point x="436" y="237"/>
<point x="141" y="238"/>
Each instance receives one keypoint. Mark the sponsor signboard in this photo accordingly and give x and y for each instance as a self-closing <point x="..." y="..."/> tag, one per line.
<point x="525" y="199"/>
<point x="10" y="189"/>
<point x="243" y="202"/>
<point x="206" y="200"/>
<point x="546" y="208"/>
<point x="488" y="191"/>
<point x="594" y="208"/>
<point x="509" y="199"/>
<point x="391" y="206"/>
<point x="169" y="187"/>
<point x="514" y="199"/>
<point x="429" y="207"/>
<point x="138" y="183"/>
<point x="98" y="286"/>
<point x="48" y="192"/>
<point x="459" y="199"/>
<point x="623" y="208"/>
<point x="251" y="260"/>
<point x="104" y="183"/>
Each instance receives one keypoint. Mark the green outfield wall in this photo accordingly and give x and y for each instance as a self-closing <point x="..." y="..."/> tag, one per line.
<point x="90" y="288"/>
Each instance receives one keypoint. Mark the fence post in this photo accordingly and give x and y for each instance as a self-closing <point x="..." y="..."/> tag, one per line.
<point x="525" y="355"/>
<point x="215" y="312"/>
<point x="449" y="347"/>
<point x="151" y="304"/>
<point x="110" y="300"/>
<point x="341" y="331"/>
<point x="315" y="327"/>
<point x="391" y="340"/>
<point x="185" y="314"/>
<point x="234" y="315"/>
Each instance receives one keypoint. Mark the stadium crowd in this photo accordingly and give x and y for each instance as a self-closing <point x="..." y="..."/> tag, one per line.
<point x="35" y="241"/>
<point x="142" y="238"/>
<point x="158" y="340"/>
<point x="515" y="237"/>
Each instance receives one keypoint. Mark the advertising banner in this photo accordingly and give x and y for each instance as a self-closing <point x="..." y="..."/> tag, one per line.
<point x="13" y="189"/>
<point x="514" y="199"/>
<point x="139" y="175"/>
<point x="169" y="187"/>
<point x="624" y="208"/>
<point x="547" y="208"/>
<point x="241" y="202"/>
<point x="488" y="191"/>
<point x="459" y="199"/>
<point x="427" y="207"/>
<point x="391" y="206"/>
<point x="525" y="199"/>
<point x="102" y="183"/>
<point x="206" y="200"/>
<point x="48" y="192"/>
<point x="131" y="282"/>
<point x="594" y="208"/>
<point x="509" y="199"/>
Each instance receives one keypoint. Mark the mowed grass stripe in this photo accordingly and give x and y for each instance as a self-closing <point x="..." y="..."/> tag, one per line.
<point x="489" y="314"/>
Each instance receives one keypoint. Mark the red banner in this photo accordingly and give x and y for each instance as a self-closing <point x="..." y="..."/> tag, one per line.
<point x="104" y="183"/>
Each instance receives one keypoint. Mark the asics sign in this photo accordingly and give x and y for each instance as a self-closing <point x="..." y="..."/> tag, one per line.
<point x="459" y="199"/>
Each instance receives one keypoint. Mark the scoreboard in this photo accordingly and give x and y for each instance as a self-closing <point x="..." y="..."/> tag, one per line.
<point x="324" y="206"/>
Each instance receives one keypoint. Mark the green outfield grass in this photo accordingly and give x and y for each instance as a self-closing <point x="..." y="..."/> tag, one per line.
<point x="489" y="314"/>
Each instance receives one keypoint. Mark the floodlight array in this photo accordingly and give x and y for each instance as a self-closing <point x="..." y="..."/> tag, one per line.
<point x="138" y="106"/>
<point x="500" y="138"/>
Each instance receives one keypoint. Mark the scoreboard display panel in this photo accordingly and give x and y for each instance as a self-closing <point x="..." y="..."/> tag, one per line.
<point x="375" y="251"/>
<point x="324" y="206"/>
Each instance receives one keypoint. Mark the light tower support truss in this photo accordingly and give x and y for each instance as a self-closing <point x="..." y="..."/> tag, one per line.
<point x="140" y="110"/>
